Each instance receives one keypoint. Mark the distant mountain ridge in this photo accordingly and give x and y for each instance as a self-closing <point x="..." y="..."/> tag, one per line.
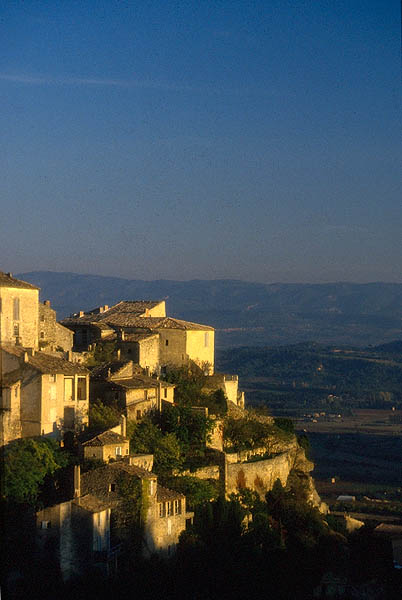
<point x="246" y="313"/>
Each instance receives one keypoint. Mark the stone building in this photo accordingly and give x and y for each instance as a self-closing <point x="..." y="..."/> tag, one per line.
<point x="122" y="383"/>
<point x="41" y="394"/>
<point x="112" y="444"/>
<point x="19" y="312"/>
<point x="52" y="335"/>
<point x="166" y="515"/>
<point x="180" y="342"/>
<point x="74" y="537"/>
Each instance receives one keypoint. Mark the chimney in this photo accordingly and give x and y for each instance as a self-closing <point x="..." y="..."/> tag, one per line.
<point x="26" y="357"/>
<point x="101" y="309"/>
<point x="70" y="355"/>
<point x="9" y="275"/>
<point x="77" y="481"/>
<point x="81" y="313"/>
<point x="123" y="425"/>
<point x="106" y="307"/>
<point x="47" y="303"/>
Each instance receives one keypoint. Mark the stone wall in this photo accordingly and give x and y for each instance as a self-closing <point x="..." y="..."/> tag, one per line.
<point x="259" y="475"/>
<point x="24" y="328"/>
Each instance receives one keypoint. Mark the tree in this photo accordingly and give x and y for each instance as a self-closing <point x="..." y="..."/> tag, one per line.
<point x="102" y="416"/>
<point x="26" y="463"/>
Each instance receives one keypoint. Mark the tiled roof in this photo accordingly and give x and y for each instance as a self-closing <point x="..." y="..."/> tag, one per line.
<point x="140" y="382"/>
<point x="11" y="378"/>
<point x="105" y="438"/>
<point x="165" y="494"/>
<point x="92" y="503"/>
<point x="46" y="363"/>
<point x="128" y="314"/>
<point x="102" y="371"/>
<point x="10" y="281"/>
<point x="112" y="469"/>
<point x="138" y="337"/>
<point x="131" y="308"/>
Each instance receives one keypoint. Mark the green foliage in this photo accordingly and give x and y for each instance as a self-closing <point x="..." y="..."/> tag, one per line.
<point x="168" y="455"/>
<point x="102" y="416"/>
<point x="145" y="436"/>
<point x="103" y="352"/>
<point x="285" y="424"/>
<point x="148" y="438"/>
<point x="197" y="491"/>
<point x="189" y="384"/>
<point x="192" y="428"/>
<point x="131" y="513"/>
<point x="248" y="433"/>
<point x="216" y="403"/>
<point x="26" y="463"/>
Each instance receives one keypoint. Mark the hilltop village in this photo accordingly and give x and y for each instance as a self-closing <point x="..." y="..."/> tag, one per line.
<point x="131" y="429"/>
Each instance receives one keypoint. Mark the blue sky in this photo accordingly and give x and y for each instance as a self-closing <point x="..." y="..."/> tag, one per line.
<point x="194" y="139"/>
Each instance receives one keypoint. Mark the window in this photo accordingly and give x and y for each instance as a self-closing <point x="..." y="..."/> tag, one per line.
<point x="177" y="507"/>
<point x="116" y="395"/>
<point x="128" y="350"/>
<point x="206" y="339"/>
<point x="0" y="305"/>
<point x="118" y="450"/>
<point x="16" y="391"/>
<point x="52" y="378"/>
<point x="138" y="415"/>
<point x="145" y="394"/>
<point x="169" y="527"/>
<point x="82" y="388"/>
<point x="16" y="309"/>
<point x="169" y="508"/>
<point x="167" y="343"/>
<point x="68" y="389"/>
<point x="161" y="509"/>
<point x="45" y="525"/>
<point x="42" y="318"/>
<point x="42" y="335"/>
<point x="16" y="329"/>
<point x="126" y="450"/>
<point x="165" y="393"/>
<point x="112" y="487"/>
<point x="151" y="487"/>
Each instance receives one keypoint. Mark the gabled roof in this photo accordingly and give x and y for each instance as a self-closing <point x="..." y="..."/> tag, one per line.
<point x="11" y="378"/>
<point x="46" y="363"/>
<point x="7" y="280"/>
<point x="111" y="470"/>
<point x="92" y="503"/>
<point x="105" y="438"/>
<point x="140" y="382"/>
<point x="165" y="494"/>
<point x="131" y="314"/>
<point x="107" y="369"/>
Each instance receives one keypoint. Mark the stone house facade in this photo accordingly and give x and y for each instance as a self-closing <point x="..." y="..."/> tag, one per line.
<point x="75" y="537"/>
<point x="19" y="312"/>
<point x="45" y="393"/>
<point x="166" y="515"/>
<point x="122" y="383"/>
<point x="180" y="342"/>
<point x="106" y="446"/>
<point x="52" y="335"/>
